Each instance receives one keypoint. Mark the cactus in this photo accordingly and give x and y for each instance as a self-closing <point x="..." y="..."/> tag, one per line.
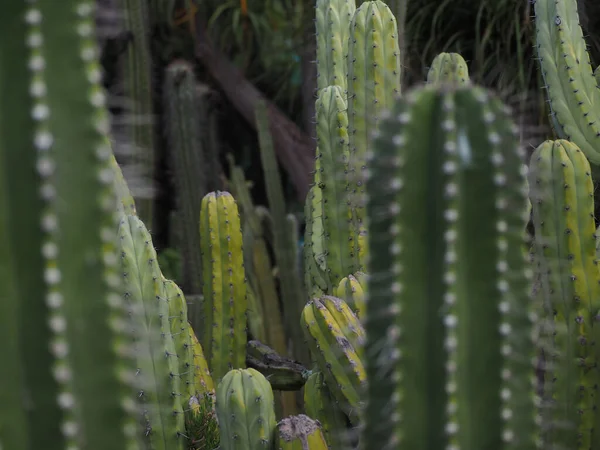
<point x="351" y="291"/>
<point x="567" y="72"/>
<point x="225" y="302"/>
<point x="450" y="279"/>
<point x="203" y="381"/>
<point x="320" y="404"/>
<point x="158" y="376"/>
<point x="300" y="433"/>
<point x="335" y="353"/>
<point x="245" y="410"/>
<point x="333" y="27"/>
<point x="65" y="372"/>
<point x="185" y="143"/>
<point x="139" y="131"/>
<point x="373" y="81"/>
<point x="340" y="240"/>
<point x="283" y="374"/>
<point x="316" y="281"/>
<point x="565" y="256"/>
<point x="448" y="68"/>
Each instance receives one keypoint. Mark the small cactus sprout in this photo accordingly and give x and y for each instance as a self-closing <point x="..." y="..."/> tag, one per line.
<point x="246" y="411"/>
<point x="448" y="68"/>
<point x="449" y="349"/>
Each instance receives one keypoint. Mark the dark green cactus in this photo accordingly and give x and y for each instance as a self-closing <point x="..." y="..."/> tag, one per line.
<point x="225" y="302"/>
<point x="185" y="147"/>
<point x="565" y="257"/>
<point x="245" y="409"/>
<point x="300" y="433"/>
<point x="446" y="215"/>
<point x="448" y="68"/>
<point x="65" y="371"/>
<point x="316" y="281"/>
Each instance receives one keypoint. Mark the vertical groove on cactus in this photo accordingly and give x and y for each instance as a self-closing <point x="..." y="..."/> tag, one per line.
<point x="565" y="254"/>
<point x="567" y="72"/>
<point x="447" y="172"/>
<point x="225" y="302"/>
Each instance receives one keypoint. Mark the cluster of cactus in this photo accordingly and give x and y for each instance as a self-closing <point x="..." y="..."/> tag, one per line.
<point x="426" y="324"/>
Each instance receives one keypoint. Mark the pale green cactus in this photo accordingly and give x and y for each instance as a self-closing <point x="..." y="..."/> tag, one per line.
<point x="300" y="433"/>
<point x="448" y="68"/>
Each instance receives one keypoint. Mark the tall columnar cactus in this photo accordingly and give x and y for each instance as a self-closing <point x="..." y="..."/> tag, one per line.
<point x="185" y="148"/>
<point x="245" y="409"/>
<point x="373" y="82"/>
<point x="565" y="257"/>
<point x="158" y="373"/>
<point x="332" y="26"/>
<point x="448" y="68"/>
<point x="448" y="291"/>
<point x="565" y="65"/>
<point x="335" y="341"/>
<point x="340" y="224"/>
<point x="225" y="302"/>
<point x="61" y="312"/>
<point x="300" y="433"/>
<point x="139" y="137"/>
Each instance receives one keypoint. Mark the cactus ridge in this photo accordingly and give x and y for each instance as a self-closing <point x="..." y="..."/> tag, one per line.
<point x="245" y="410"/>
<point x="457" y="150"/>
<point x="225" y="301"/>
<point x="565" y="255"/>
<point x="145" y="292"/>
<point x="567" y="72"/>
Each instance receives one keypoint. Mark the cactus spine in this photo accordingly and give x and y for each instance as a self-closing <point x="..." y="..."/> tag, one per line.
<point x="300" y="433"/>
<point x="245" y="409"/>
<point x="478" y="392"/>
<point x="565" y="255"/>
<point x="225" y="302"/>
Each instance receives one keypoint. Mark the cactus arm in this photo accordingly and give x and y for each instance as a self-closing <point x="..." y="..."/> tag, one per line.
<point x="333" y="29"/>
<point x="566" y="256"/>
<point x="444" y="144"/>
<point x="300" y="433"/>
<point x="565" y="66"/>
<point x="315" y="278"/>
<point x="203" y="381"/>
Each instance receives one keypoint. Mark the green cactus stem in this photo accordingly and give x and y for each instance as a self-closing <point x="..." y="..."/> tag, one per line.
<point x="225" y="302"/>
<point x="316" y="281"/>
<point x="185" y="145"/>
<point x="320" y="405"/>
<point x="333" y="29"/>
<point x="203" y="381"/>
<point x="64" y="346"/>
<point x="565" y="254"/>
<point x="300" y="433"/>
<point x="157" y="380"/>
<point x="245" y="409"/>
<point x="351" y="291"/>
<point x="447" y="221"/>
<point x="565" y="65"/>
<point x="448" y="68"/>
<point x="373" y="81"/>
